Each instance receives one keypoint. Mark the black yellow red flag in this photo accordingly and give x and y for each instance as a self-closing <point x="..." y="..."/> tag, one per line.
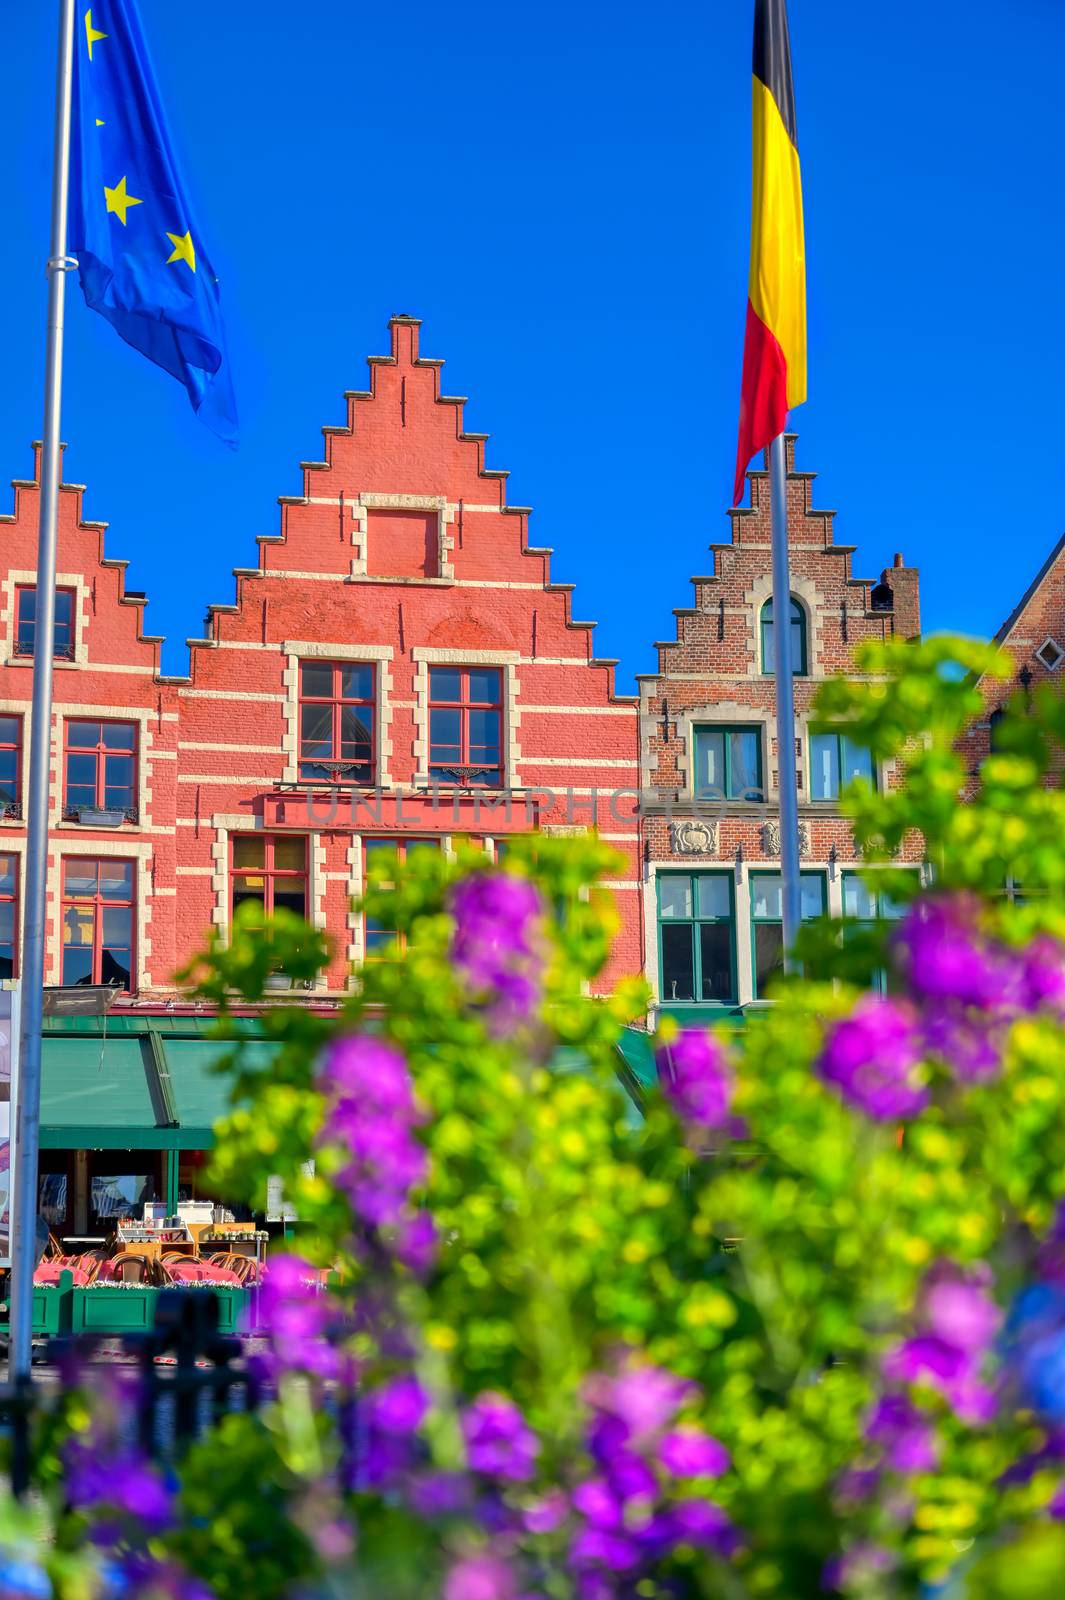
<point x="774" y="352"/>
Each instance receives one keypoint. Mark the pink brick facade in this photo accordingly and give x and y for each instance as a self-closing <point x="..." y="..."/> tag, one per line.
<point x="401" y="555"/>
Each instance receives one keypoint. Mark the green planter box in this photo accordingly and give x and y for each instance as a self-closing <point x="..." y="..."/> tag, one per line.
<point x="111" y="1309"/>
<point x="51" y="1307"/>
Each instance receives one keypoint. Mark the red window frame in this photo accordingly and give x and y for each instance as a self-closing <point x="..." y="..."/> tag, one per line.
<point x="373" y="931"/>
<point x="100" y="750"/>
<point x="61" y="650"/>
<point x="99" y="903"/>
<point x="338" y="765"/>
<point x="271" y="874"/>
<point x="9" y="897"/>
<point x="465" y="771"/>
<point x="12" y="807"/>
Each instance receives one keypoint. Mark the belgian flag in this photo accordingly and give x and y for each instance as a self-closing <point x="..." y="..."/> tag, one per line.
<point x="774" y="352"/>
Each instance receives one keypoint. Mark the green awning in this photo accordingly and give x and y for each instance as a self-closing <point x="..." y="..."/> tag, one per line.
<point x="638" y="1056"/>
<point x="142" y="1087"/>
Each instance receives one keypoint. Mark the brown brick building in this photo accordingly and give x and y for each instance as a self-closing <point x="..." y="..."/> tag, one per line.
<point x="709" y="755"/>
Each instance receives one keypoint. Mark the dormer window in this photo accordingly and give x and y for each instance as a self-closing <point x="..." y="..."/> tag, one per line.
<point x="798" y="639"/>
<point x="63" y="633"/>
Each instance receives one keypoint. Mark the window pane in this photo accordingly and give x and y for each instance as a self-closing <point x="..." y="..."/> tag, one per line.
<point x="248" y="889"/>
<point x="7" y="961"/>
<point x="8" y="775"/>
<point x="767" y="902"/>
<point x="356" y="683"/>
<point x="678" y="962"/>
<point x="710" y="763"/>
<point x="116" y="880"/>
<point x="414" y="845"/>
<point x="356" y="733"/>
<point x="64" y="607"/>
<point x="115" y="964"/>
<point x="77" y="964"/>
<point x="445" y="735"/>
<point x="484" y="736"/>
<point x="249" y="850"/>
<point x="445" y="683"/>
<point x="769" y="643"/>
<point x="81" y="774"/>
<point x="27" y="605"/>
<point x="290" y="855"/>
<point x="79" y="877"/>
<point x="715" y="957"/>
<point x="857" y="762"/>
<point x="118" y="926"/>
<point x="485" y="686"/>
<point x="7" y="921"/>
<point x="714" y="898"/>
<point x="316" y="680"/>
<point x="744" y="752"/>
<point x="86" y="735"/>
<point x="118" y="781"/>
<point x="78" y="923"/>
<point x="811" y="894"/>
<point x="291" y="897"/>
<point x="858" y="899"/>
<point x="316" y="730"/>
<point x="9" y="730"/>
<point x="824" y="766"/>
<point x="768" y="955"/>
<point x="674" y="895"/>
<point x="7" y="874"/>
<point x="119" y="735"/>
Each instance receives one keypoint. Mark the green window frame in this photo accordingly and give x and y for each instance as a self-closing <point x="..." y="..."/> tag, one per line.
<point x="767" y="924"/>
<point x="864" y="905"/>
<point x="697" y="938"/>
<point x="767" y="643"/>
<point x="836" y="761"/>
<point x="728" y="762"/>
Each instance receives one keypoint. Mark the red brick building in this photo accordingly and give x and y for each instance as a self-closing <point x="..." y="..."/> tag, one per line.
<point x="709" y="755"/>
<point x="397" y="665"/>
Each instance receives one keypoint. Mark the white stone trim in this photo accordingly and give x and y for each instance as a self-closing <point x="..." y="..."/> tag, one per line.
<point x="16" y="579"/>
<point x="446" y="515"/>
<point x="425" y="656"/>
<point x="24" y="711"/>
<point x="356" y="949"/>
<point x="380" y="657"/>
<point x="122" y="849"/>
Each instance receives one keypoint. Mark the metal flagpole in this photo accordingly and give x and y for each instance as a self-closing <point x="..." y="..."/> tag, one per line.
<point x="27" y="1140"/>
<point x="789" y="800"/>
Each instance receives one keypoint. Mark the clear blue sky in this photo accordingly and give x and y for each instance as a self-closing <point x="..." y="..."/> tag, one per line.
<point x="561" y="192"/>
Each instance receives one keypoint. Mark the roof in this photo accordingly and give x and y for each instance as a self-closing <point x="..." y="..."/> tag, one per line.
<point x="1003" y="633"/>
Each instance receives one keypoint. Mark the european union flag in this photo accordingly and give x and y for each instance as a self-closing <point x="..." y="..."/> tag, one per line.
<point x="142" y="263"/>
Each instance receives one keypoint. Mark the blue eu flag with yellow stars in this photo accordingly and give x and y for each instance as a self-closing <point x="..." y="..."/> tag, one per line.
<point x="142" y="262"/>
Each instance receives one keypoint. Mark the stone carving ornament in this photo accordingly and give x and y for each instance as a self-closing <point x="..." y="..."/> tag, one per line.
<point x="694" y="838"/>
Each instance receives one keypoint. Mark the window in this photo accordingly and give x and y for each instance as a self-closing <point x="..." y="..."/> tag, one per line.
<point x="271" y="872"/>
<point x="337" y="703"/>
<point x="881" y="597"/>
<point x="97" y="921"/>
<point x="101" y="768"/>
<point x="695" y="931"/>
<point x="767" y="919"/>
<point x="834" y="761"/>
<point x="377" y="935"/>
<point x="8" y="916"/>
<point x="728" y="764"/>
<point x="798" y="639"/>
<point x="63" y="633"/>
<point x="11" y="766"/>
<point x="994" y="730"/>
<point x="867" y="905"/>
<point x="1050" y="654"/>
<point x="465" y="721"/>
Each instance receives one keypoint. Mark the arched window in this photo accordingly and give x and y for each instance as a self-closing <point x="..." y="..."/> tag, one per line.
<point x="798" y="639"/>
<point x="994" y="728"/>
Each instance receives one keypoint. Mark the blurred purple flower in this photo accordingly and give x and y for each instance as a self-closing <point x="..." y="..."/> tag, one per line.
<point x="946" y="958"/>
<point x="496" y="946"/>
<point x="856" y="1566"/>
<point x="961" y="1321"/>
<point x="873" y="1058"/>
<point x="969" y="1043"/>
<point x="416" y="1242"/>
<point x="694" y="1074"/>
<point x="639" y="1401"/>
<point x="484" y="1576"/>
<point x="690" y="1453"/>
<point x="1042" y="975"/>
<point x="695" y="1522"/>
<point x="499" y="1442"/>
<point x="906" y="1437"/>
<point x="300" y="1319"/>
<point x="630" y="1476"/>
<point x="1034" y="1349"/>
<point x="371" y="1115"/>
<point x="439" y="1494"/>
<point x="398" y="1406"/>
<point x="598" y="1504"/>
<point x="601" y="1547"/>
<point x="125" y="1482"/>
<point x="546" y="1514"/>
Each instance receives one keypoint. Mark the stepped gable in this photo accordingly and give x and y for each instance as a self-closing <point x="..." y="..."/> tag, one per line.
<point x="403" y="497"/>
